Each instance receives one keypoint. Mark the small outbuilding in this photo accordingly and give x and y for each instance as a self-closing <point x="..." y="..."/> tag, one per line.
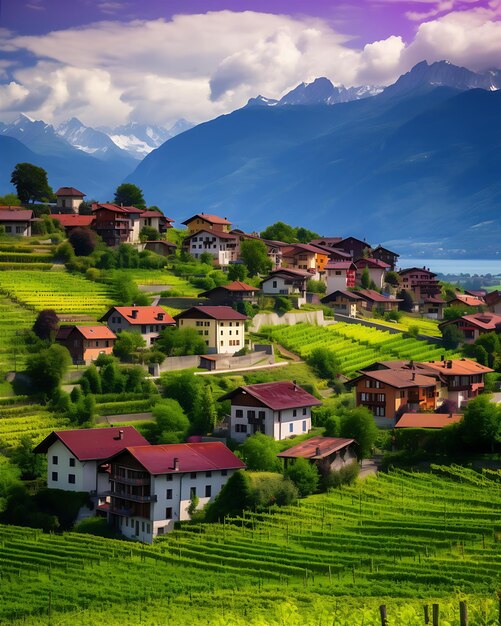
<point x="328" y="453"/>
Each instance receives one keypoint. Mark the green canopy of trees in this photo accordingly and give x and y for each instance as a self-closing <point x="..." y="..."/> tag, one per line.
<point x="280" y="231"/>
<point x="254" y="255"/>
<point x="129" y="194"/>
<point x="31" y="183"/>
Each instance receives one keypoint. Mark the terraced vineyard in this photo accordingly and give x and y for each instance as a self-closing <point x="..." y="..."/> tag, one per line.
<point x="424" y="326"/>
<point x="355" y="345"/>
<point x="61" y="291"/>
<point x="403" y="539"/>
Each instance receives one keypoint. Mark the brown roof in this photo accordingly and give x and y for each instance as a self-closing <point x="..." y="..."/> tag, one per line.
<point x="399" y="379"/>
<point x="468" y="300"/>
<point x="384" y="250"/>
<point x="433" y="300"/>
<point x="236" y="286"/>
<point x="288" y="271"/>
<point x="14" y="214"/>
<point x="484" y="321"/>
<point x="316" y="448"/>
<point x="416" y="269"/>
<point x="372" y="263"/>
<point x="340" y="265"/>
<point x="212" y="219"/>
<point x="493" y="297"/>
<point x="276" y="396"/>
<point x="428" y="420"/>
<point x="72" y="219"/>
<point x="298" y="248"/>
<point x="143" y="315"/>
<point x="215" y="312"/>
<point x="326" y="241"/>
<point x="69" y="191"/>
<point x="212" y="233"/>
<point x="350" y="295"/>
<point x="457" y="367"/>
<point x="375" y="296"/>
<point x="88" y="332"/>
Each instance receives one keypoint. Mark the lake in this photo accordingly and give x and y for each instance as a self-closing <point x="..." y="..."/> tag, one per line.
<point x="455" y="266"/>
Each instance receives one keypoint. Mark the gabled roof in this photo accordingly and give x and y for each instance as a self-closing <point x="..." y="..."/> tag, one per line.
<point x="375" y="296"/>
<point x="154" y="214"/>
<point x="87" y="332"/>
<point x="214" y="312"/>
<point x="168" y="244"/>
<point x="340" y="265"/>
<point x="428" y="420"/>
<point x="416" y="269"/>
<point x="373" y="263"/>
<point x="434" y="300"/>
<point x="14" y="214"/>
<point x="457" y="367"/>
<point x="368" y="245"/>
<point x="467" y="300"/>
<point x="276" y="396"/>
<point x="72" y="219"/>
<point x="213" y="233"/>
<point x="399" y="379"/>
<point x="484" y="321"/>
<point x="380" y="247"/>
<point x="191" y="457"/>
<point x="478" y="293"/>
<point x="327" y="241"/>
<point x="212" y="219"/>
<point x="350" y="295"/>
<point x="144" y="315"/>
<point x="236" y="286"/>
<point x="316" y="448"/>
<point x="288" y="271"/>
<point x="94" y="444"/>
<point x="297" y="248"/>
<point x="69" y="191"/>
<point x="493" y="297"/>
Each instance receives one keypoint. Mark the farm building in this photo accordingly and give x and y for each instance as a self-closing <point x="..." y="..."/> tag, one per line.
<point x="328" y="453"/>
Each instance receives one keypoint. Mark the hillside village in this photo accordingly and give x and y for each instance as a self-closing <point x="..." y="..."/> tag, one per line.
<point x="160" y="380"/>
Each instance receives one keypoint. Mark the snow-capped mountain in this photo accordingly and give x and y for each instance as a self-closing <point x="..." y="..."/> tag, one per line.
<point x="36" y="134"/>
<point x="320" y="91"/>
<point x="140" y="139"/>
<point x="87" y="139"/>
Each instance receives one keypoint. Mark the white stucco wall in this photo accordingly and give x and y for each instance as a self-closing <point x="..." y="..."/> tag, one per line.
<point x="278" y="424"/>
<point x="85" y="473"/>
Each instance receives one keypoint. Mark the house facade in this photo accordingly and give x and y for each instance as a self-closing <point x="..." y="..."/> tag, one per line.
<point x="207" y="222"/>
<point x="385" y="255"/>
<point x="279" y="410"/>
<point x="152" y="487"/>
<point x="16" y="221"/>
<point x="377" y="271"/>
<point x="113" y="224"/>
<point x="327" y="453"/>
<point x="433" y="308"/>
<point x="86" y="343"/>
<point x="474" y="325"/>
<point x="156" y="220"/>
<point x="421" y="282"/>
<point x="286" y="282"/>
<point x="68" y="200"/>
<point x="148" y="321"/>
<point x="340" y="275"/>
<point x="343" y="302"/>
<point x="493" y="301"/>
<point x="222" y="246"/>
<point x="229" y="295"/>
<point x="222" y="328"/>
<point x="356" y="248"/>
<point x="305" y="257"/>
<point x="373" y="300"/>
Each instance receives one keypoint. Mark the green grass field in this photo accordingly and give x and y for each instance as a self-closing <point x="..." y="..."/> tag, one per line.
<point x="163" y="277"/>
<point x="425" y="326"/>
<point x="401" y="539"/>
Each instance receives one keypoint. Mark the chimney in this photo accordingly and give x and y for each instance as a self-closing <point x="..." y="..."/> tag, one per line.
<point x="176" y="464"/>
<point x="449" y="364"/>
<point x="160" y="316"/>
<point x="413" y="376"/>
<point x="133" y="313"/>
<point x="317" y="451"/>
<point x="120" y="435"/>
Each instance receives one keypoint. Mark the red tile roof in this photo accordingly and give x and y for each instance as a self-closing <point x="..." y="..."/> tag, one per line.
<point x="340" y="265"/>
<point x="276" y="396"/>
<point x="238" y="285"/>
<point x="467" y="300"/>
<point x="399" y="379"/>
<point x="69" y="191"/>
<point x="316" y="448"/>
<point x="14" y="214"/>
<point x="433" y="300"/>
<point x="484" y="321"/>
<point x="428" y="420"/>
<point x="372" y="263"/>
<point x="215" y="312"/>
<point x="212" y="219"/>
<point x="192" y="457"/>
<point x="155" y="214"/>
<point x="88" y="332"/>
<point x="456" y="367"/>
<point x="72" y="219"/>
<point x="144" y="315"/>
<point x="375" y="296"/>
<point x="93" y="444"/>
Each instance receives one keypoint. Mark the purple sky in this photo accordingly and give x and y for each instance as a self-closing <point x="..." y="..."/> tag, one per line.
<point x="113" y="61"/>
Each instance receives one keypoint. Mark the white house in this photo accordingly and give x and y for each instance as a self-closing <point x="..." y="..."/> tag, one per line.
<point x="152" y="487"/>
<point x="286" y="282"/>
<point x="219" y="244"/>
<point x="68" y="199"/>
<point x="377" y="270"/>
<point x="221" y="327"/>
<point x="16" y="221"/>
<point x="279" y="410"/>
<point x="340" y="275"/>
<point x="148" y="321"/>
<point x="74" y="457"/>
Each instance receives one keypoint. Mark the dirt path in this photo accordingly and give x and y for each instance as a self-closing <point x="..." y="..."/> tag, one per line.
<point x="124" y="417"/>
<point x="288" y="354"/>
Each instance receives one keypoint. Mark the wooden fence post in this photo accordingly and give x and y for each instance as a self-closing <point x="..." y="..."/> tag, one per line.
<point x="382" y="613"/>
<point x="463" y="614"/>
<point x="435" y="614"/>
<point x="426" y="614"/>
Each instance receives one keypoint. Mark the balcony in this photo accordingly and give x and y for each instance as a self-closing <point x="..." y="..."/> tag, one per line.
<point x="137" y="482"/>
<point x="119" y="510"/>
<point x="131" y="497"/>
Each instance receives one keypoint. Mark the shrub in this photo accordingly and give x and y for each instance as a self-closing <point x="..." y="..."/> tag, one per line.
<point x="260" y="453"/>
<point x="304" y="475"/>
<point x="344" y="476"/>
<point x="282" y="304"/>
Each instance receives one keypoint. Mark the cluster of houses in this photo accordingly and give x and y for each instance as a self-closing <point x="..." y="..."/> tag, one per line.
<point x="144" y="489"/>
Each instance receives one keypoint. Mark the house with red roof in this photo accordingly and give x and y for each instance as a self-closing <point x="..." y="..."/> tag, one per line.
<point x="231" y="294"/>
<point x="377" y="270"/>
<point x="327" y="453"/>
<point x="371" y="300"/>
<point x="152" y="487"/>
<point x="148" y="321"/>
<point x="221" y="327"/>
<point x="420" y="282"/>
<point x="383" y="254"/>
<point x="340" y="275"/>
<point x="305" y="256"/>
<point x="207" y="222"/>
<point x="114" y="223"/>
<point x="86" y="343"/>
<point x="156" y="220"/>
<point x="75" y="457"/>
<point x="432" y="307"/>
<point x="428" y="420"/>
<point x="221" y="245"/>
<point x="474" y="325"/>
<point x="16" y="221"/>
<point x="286" y="281"/>
<point x="279" y="410"/>
<point x="343" y="302"/>
<point x="70" y="221"/>
<point x="493" y="301"/>
<point x="68" y="199"/>
<point x="463" y="299"/>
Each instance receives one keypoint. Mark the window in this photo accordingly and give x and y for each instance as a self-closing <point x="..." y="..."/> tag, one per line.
<point x="168" y="477"/>
<point x="206" y="332"/>
<point x="304" y="410"/>
<point x="193" y="475"/>
<point x="142" y="527"/>
<point x="291" y="427"/>
<point x="143" y="328"/>
<point x="304" y="426"/>
<point x="208" y="474"/>
<point x="338" y="273"/>
<point x="240" y="428"/>
<point x="147" y="528"/>
<point x="168" y="512"/>
<point x="208" y="490"/>
<point x="193" y="492"/>
<point x="222" y="333"/>
<point x="168" y="495"/>
<point x="381" y="397"/>
<point x="294" y="412"/>
<point x="54" y="475"/>
<point x="72" y="462"/>
<point x="71" y="479"/>
<point x="19" y="229"/>
<point x="54" y="460"/>
<point x="238" y="413"/>
<point x="261" y="415"/>
<point x="224" y="472"/>
<point x="251" y="414"/>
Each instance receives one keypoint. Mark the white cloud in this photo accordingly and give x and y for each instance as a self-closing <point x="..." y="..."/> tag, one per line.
<point x="200" y="66"/>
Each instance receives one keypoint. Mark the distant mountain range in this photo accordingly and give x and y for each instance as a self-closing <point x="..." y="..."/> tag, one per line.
<point x="414" y="165"/>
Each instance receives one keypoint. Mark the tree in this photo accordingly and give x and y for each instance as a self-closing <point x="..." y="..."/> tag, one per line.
<point x="204" y="412"/>
<point x="280" y="231"/>
<point x="185" y="388"/>
<point x="170" y="418"/>
<point x="365" y="279"/>
<point x="304" y="475"/>
<point x="175" y="341"/>
<point x="237" y="271"/>
<point x="148" y="233"/>
<point x="324" y="362"/>
<point x="31" y="183"/>
<point x="46" y="324"/>
<point x="481" y="425"/>
<point x="455" y="312"/>
<point x="392" y="278"/>
<point x="254" y="254"/>
<point x="233" y="498"/>
<point x="206" y="258"/>
<point x="303" y="235"/>
<point x="83" y="241"/>
<point x="47" y="368"/>
<point x="10" y="199"/>
<point x="452" y="336"/>
<point x="91" y="375"/>
<point x="359" y="424"/>
<point x="32" y="466"/>
<point x="316" y="286"/>
<point x="260" y="453"/>
<point x="127" y="345"/>
<point x="407" y="298"/>
<point x="129" y="194"/>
